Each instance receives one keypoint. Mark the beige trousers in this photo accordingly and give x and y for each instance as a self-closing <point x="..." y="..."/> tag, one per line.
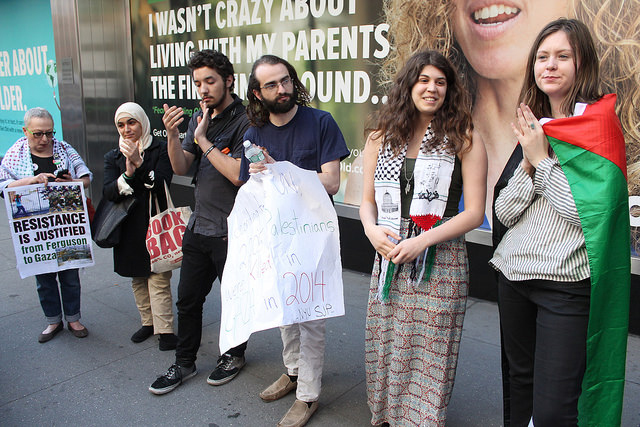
<point x="153" y="298"/>
<point x="303" y="355"/>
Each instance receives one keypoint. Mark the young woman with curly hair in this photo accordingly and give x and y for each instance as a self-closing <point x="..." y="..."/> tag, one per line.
<point x="415" y="161"/>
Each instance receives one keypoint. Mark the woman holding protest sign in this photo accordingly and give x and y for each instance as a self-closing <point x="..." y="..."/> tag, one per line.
<point x="38" y="158"/>
<point x="139" y="167"/>
<point x="422" y="149"/>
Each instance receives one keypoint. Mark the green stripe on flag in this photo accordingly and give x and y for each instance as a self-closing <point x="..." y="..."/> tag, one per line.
<point x="599" y="189"/>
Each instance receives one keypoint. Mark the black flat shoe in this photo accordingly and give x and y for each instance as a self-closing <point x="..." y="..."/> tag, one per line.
<point x="78" y="333"/>
<point x="42" y="338"/>
<point x="142" y="334"/>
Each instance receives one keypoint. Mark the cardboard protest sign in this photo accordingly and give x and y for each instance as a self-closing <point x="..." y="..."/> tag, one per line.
<point x="49" y="227"/>
<point x="283" y="264"/>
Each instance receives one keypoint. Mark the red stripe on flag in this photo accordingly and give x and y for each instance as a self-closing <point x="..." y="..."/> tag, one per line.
<point x="597" y="130"/>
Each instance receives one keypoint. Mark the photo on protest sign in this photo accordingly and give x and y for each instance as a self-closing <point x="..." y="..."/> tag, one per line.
<point x="49" y="227"/>
<point x="283" y="263"/>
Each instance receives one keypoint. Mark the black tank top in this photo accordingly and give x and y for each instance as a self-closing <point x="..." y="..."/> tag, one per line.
<point x="455" y="189"/>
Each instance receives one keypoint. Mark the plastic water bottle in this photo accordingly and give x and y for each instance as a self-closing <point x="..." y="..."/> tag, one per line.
<point x="253" y="153"/>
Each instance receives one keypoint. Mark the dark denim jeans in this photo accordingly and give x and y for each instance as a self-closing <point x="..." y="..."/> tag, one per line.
<point x="50" y="295"/>
<point x="203" y="261"/>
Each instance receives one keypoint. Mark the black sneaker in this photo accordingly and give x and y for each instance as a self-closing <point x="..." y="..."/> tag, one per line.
<point x="171" y="379"/>
<point x="227" y="368"/>
<point x="142" y="334"/>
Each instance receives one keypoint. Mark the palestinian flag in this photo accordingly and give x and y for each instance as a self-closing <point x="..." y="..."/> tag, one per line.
<point x="591" y="151"/>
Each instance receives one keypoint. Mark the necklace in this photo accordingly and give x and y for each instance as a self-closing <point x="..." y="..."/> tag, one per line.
<point x="407" y="188"/>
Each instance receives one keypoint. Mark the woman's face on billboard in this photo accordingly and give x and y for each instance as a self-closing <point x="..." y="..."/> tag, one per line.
<point x="496" y="35"/>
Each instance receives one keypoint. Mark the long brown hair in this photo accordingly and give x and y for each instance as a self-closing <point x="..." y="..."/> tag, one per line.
<point x="586" y="63"/>
<point x="396" y="119"/>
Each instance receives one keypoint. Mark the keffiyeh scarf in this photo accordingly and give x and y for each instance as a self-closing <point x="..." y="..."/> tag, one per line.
<point x="17" y="162"/>
<point x="432" y="178"/>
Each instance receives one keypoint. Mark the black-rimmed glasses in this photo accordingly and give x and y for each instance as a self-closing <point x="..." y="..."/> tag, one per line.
<point x="270" y="87"/>
<point x="39" y="135"/>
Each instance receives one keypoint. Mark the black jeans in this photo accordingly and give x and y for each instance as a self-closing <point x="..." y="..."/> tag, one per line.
<point x="544" y="326"/>
<point x="203" y="261"/>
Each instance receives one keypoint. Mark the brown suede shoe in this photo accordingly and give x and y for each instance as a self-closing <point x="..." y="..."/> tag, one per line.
<point x="278" y="389"/>
<point x="78" y="333"/>
<point x="298" y="415"/>
<point x="42" y="338"/>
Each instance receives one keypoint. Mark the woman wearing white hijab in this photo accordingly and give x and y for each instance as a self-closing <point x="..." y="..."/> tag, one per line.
<point x="139" y="166"/>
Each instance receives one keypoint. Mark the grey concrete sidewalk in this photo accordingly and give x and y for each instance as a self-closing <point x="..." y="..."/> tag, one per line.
<point x="102" y="380"/>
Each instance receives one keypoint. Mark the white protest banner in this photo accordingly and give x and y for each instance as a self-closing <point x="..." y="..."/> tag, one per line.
<point x="283" y="264"/>
<point x="49" y="227"/>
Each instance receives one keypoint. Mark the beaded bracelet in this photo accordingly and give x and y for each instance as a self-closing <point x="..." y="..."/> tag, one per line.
<point x="206" y="153"/>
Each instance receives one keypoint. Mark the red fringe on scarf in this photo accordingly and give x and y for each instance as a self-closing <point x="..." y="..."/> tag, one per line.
<point x="426" y="221"/>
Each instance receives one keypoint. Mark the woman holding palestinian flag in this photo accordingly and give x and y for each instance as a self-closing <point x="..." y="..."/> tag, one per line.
<point x="564" y="261"/>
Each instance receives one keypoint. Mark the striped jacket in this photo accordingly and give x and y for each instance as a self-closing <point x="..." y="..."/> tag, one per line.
<point x="545" y="239"/>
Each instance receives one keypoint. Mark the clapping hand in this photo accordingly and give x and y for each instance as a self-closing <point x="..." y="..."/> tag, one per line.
<point x="203" y="123"/>
<point x="172" y="118"/>
<point x="130" y="151"/>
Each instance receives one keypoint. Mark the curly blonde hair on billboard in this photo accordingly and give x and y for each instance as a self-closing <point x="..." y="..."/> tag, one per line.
<point x="425" y="24"/>
<point x="616" y="32"/>
<point x="415" y="25"/>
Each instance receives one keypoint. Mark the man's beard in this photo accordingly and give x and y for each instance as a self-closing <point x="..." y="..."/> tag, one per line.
<point x="276" y="107"/>
<point x="216" y="102"/>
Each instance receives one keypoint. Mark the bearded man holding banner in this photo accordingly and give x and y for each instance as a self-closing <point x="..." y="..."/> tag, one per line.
<point x="287" y="129"/>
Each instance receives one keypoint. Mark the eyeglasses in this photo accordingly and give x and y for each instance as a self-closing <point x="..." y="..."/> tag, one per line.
<point x="38" y="135"/>
<point x="271" y="87"/>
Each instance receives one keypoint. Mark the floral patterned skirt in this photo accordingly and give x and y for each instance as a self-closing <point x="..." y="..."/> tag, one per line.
<point x="412" y="341"/>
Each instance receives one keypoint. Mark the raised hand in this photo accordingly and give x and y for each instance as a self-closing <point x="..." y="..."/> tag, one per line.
<point x="203" y="123"/>
<point x="172" y="118"/>
<point x="528" y="130"/>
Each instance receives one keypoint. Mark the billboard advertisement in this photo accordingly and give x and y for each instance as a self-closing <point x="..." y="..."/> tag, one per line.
<point x="347" y="50"/>
<point x="489" y="44"/>
<point x="336" y="46"/>
<point x="28" y="76"/>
